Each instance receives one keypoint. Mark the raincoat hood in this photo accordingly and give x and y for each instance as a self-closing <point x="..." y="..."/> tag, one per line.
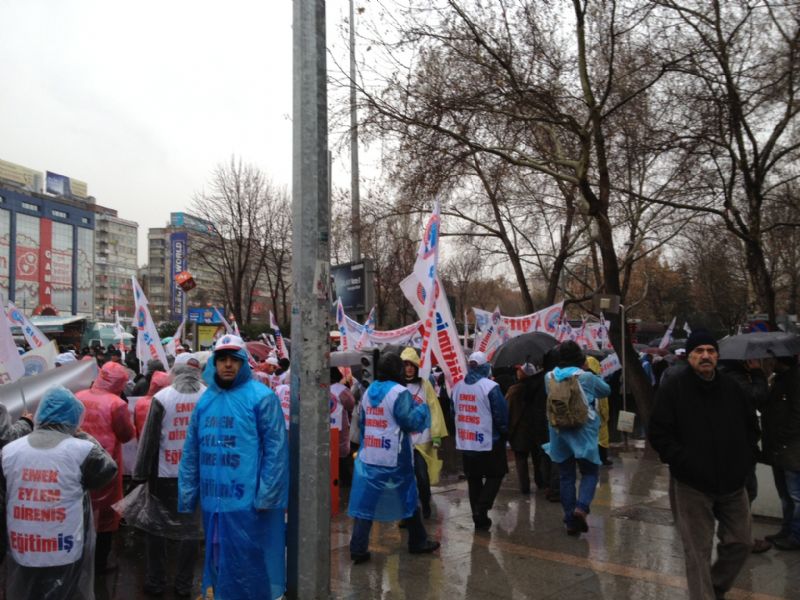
<point x="593" y="364"/>
<point x="410" y="355"/>
<point x="111" y="379"/>
<point x="159" y="381"/>
<point x="478" y="372"/>
<point x="561" y="374"/>
<point x="59" y="406"/>
<point x="243" y="376"/>
<point x="377" y="390"/>
<point x="187" y="379"/>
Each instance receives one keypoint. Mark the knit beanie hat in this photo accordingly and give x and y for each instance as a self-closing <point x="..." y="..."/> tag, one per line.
<point x="700" y="337"/>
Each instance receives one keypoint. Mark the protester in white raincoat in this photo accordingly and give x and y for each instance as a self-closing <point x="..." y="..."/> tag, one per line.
<point x="44" y="492"/>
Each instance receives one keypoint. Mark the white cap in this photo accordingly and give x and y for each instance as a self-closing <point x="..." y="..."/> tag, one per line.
<point x="184" y="358"/>
<point x="230" y="342"/>
<point x="65" y="357"/>
<point x="271" y="360"/>
<point x="680" y="352"/>
<point x="479" y="358"/>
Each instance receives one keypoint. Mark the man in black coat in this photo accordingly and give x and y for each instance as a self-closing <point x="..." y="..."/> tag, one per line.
<point x="705" y="428"/>
<point x="523" y="399"/>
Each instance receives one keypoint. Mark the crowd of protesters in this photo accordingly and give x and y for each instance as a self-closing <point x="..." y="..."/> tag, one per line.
<point x="212" y="463"/>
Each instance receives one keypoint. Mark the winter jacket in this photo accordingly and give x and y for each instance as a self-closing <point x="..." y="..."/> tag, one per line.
<point x="108" y="420"/>
<point x="526" y="413"/>
<point x="159" y="381"/>
<point x="580" y="442"/>
<point x="706" y="431"/>
<point x="780" y="418"/>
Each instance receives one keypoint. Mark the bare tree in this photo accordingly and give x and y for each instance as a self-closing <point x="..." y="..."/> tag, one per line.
<point x="739" y="74"/>
<point x="541" y="91"/>
<point x="234" y="206"/>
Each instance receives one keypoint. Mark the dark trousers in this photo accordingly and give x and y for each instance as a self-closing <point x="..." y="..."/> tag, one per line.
<point x="550" y="476"/>
<point x="482" y="492"/>
<point x="523" y="475"/>
<point x="788" y="485"/>
<point x="156" y="575"/>
<point x="102" y="549"/>
<point x="359" y="540"/>
<point x="695" y="515"/>
<point x="423" y="481"/>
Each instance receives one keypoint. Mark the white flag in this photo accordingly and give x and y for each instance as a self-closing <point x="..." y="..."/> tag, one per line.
<point x="445" y="343"/>
<point x="177" y="337"/>
<point x="426" y="277"/>
<point x="119" y="334"/>
<point x="34" y="337"/>
<point x="148" y="344"/>
<point x="667" y="339"/>
<point x="11" y="365"/>
<point x="228" y="328"/>
<point x="369" y="327"/>
<point x="687" y="329"/>
<point x="280" y="343"/>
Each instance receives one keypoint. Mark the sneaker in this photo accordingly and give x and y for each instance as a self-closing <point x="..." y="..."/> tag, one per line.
<point x="426" y="548"/>
<point x="787" y="543"/>
<point x="760" y="546"/>
<point x="580" y="520"/>
<point x="359" y="557"/>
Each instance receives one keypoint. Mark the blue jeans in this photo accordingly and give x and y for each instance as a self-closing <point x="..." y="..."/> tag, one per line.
<point x="359" y="541"/>
<point x="589" y="474"/>
<point x="788" y="485"/>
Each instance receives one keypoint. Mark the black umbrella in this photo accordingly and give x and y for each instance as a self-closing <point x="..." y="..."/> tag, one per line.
<point x="528" y="347"/>
<point x="761" y="344"/>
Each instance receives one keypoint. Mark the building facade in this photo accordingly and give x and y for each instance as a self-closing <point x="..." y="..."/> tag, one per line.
<point x="173" y="249"/>
<point x="46" y="252"/>
<point x="116" y="244"/>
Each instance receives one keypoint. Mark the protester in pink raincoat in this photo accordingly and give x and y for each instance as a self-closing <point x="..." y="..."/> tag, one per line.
<point x="159" y="381"/>
<point x="109" y="422"/>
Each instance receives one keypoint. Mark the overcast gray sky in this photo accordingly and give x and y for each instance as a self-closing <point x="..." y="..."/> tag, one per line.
<point x="141" y="100"/>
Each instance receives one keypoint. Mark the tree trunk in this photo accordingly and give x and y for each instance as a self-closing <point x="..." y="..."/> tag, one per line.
<point x="761" y="280"/>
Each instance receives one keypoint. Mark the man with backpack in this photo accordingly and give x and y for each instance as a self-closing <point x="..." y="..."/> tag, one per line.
<point x="574" y="424"/>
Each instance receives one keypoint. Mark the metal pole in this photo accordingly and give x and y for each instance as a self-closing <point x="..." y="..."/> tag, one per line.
<point x="624" y="377"/>
<point x="308" y="534"/>
<point x="355" y="193"/>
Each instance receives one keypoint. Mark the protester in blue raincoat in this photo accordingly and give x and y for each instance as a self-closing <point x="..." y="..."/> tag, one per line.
<point x="384" y="486"/>
<point x="236" y="463"/>
<point x="577" y="447"/>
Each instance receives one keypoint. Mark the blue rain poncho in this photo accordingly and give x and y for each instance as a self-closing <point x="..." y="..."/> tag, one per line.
<point x="388" y="493"/>
<point x="580" y="442"/>
<point x="235" y="462"/>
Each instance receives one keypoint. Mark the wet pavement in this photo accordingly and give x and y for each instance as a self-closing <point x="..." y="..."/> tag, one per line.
<point x="631" y="551"/>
